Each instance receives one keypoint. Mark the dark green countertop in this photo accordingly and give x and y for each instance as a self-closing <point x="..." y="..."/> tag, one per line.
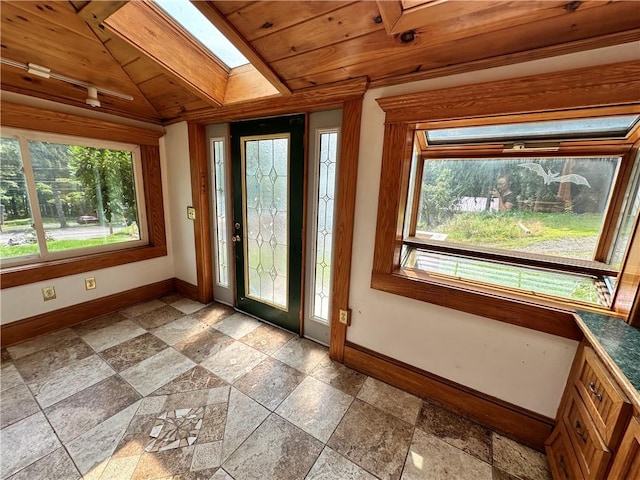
<point x="619" y="340"/>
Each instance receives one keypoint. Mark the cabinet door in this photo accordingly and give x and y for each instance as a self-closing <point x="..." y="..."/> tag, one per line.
<point x="593" y="454"/>
<point x="626" y="464"/>
<point x="607" y="405"/>
<point x="562" y="459"/>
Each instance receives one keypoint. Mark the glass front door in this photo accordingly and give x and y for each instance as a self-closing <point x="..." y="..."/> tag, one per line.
<point x="268" y="184"/>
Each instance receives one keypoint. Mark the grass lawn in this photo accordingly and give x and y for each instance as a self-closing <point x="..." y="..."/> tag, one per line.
<point x="506" y="230"/>
<point x="61" y="245"/>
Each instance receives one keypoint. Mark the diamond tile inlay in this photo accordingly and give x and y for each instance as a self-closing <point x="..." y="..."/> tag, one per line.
<point x="176" y="429"/>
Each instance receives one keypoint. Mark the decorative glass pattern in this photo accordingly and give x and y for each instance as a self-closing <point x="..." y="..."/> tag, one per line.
<point x="328" y="154"/>
<point x="266" y="177"/>
<point x="220" y="212"/>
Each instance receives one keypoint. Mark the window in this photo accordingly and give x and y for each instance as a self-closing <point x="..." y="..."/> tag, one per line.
<point x="66" y="197"/>
<point x="194" y="22"/>
<point x="528" y="217"/>
<point x="324" y="209"/>
<point x="515" y="200"/>
<point x="220" y="211"/>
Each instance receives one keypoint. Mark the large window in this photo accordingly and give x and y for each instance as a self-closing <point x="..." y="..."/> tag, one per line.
<point x="65" y="197"/>
<point x="516" y="199"/>
<point x="528" y="216"/>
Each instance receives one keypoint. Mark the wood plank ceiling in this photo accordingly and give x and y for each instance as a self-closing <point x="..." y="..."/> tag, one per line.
<point x="295" y="44"/>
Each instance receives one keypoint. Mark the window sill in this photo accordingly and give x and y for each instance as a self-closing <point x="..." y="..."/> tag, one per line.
<point x="37" y="272"/>
<point x="540" y="314"/>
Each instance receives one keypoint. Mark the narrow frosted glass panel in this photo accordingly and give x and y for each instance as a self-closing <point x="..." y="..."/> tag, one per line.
<point x="324" y="226"/>
<point x="17" y="236"/>
<point x="220" y="212"/>
<point x="267" y="220"/>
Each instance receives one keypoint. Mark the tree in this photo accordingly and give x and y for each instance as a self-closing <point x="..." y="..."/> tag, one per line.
<point x="107" y="176"/>
<point x="12" y="183"/>
<point x="51" y="169"/>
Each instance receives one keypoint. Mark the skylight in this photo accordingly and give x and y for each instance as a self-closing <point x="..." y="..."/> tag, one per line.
<point x="193" y="21"/>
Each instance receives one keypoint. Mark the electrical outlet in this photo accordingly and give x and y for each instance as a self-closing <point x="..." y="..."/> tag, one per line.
<point x="90" y="283"/>
<point x="345" y="317"/>
<point x="48" y="293"/>
<point x="191" y="213"/>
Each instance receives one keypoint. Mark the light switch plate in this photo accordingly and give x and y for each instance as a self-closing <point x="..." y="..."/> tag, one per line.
<point x="191" y="213"/>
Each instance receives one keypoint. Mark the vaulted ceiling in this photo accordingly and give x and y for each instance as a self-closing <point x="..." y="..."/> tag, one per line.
<point x="132" y="47"/>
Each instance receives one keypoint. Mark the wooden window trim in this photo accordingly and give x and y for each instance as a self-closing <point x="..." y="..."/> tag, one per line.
<point x="564" y="93"/>
<point x="30" y="118"/>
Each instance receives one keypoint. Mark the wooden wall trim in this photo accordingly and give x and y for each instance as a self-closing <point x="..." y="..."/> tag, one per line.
<point x="200" y="198"/>
<point x="547" y="319"/>
<point x="345" y="215"/>
<point x="615" y="84"/>
<point x="396" y="158"/>
<point x="27" y="328"/>
<point x="41" y="120"/>
<point x="154" y="201"/>
<point x="520" y="424"/>
<point x="306" y="100"/>
<point x="38" y="272"/>
<point x="187" y="289"/>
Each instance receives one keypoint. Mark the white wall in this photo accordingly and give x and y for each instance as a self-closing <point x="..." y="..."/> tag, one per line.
<point x="175" y="147"/>
<point x="26" y="301"/>
<point x="518" y="365"/>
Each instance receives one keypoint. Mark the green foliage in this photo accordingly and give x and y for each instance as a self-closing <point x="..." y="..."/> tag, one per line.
<point x="504" y="230"/>
<point x="480" y="228"/>
<point x="13" y="192"/>
<point x="107" y="177"/>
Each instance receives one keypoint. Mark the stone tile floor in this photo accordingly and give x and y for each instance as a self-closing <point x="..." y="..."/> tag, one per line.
<point x="173" y="389"/>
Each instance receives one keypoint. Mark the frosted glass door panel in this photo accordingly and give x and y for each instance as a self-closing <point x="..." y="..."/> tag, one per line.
<point x="265" y="173"/>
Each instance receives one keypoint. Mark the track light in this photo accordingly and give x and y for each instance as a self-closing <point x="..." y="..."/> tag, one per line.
<point x="92" y="97"/>
<point x="44" y="72"/>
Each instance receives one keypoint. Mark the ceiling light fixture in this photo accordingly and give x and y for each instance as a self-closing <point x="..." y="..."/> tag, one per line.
<point x="92" y="97"/>
<point x="44" y="72"/>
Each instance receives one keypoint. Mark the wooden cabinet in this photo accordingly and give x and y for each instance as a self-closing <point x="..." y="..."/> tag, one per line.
<point x="626" y="465"/>
<point x="594" y="435"/>
<point x="562" y="460"/>
<point x="604" y="400"/>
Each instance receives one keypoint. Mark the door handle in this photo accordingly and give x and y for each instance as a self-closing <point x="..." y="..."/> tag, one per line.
<point x="592" y="387"/>
<point x="236" y="238"/>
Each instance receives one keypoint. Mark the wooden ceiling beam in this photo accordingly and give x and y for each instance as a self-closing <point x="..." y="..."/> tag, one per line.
<point x="150" y="31"/>
<point x="96" y="11"/>
<point x="235" y="37"/>
<point x="307" y="100"/>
